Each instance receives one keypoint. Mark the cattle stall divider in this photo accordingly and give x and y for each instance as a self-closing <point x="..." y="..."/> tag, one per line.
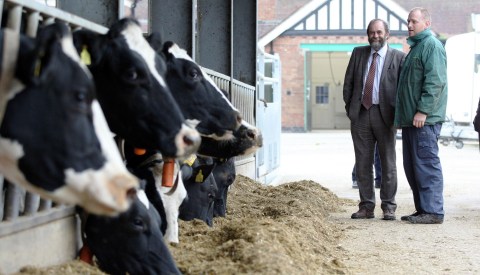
<point x="39" y="232"/>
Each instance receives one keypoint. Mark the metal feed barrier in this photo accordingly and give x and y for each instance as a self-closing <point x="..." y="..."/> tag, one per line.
<point x="22" y="211"/>
<point x="242" y="97"/>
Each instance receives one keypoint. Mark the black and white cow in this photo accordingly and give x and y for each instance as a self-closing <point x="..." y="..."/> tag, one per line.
<point x="207" y="181"/>
<point x="131" y="243"/>
<point x="53" y="137"/>
<point x="219" y="123"/>
<point x="201" y="190"/>
<point x="224" y="133"/>
<point x="131" y="88"/>
<point x="224" y="174"/>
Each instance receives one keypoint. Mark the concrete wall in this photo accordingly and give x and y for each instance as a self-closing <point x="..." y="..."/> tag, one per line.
<point x="47" y="244"/>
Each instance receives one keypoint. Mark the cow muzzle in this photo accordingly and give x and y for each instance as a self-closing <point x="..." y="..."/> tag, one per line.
<point x="187" y="141"/>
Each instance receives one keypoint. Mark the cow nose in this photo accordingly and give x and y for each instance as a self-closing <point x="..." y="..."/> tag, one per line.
<point x="189" y="141"/>
<point x="131" y="193"/>
<point x="256" y="136"/>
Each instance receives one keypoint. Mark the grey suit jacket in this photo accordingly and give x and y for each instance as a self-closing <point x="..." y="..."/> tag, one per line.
<point x="354" y="78"/>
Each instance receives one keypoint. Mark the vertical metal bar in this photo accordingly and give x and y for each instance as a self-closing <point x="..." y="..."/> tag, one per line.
<point x="32" y="201"/>
<point x="45" y="205"/>
<point x="2" y="198"/>
<point x="194" y="30"/>
<point x="48" y="20"/>
<point x="1" y="13"/>
<point x="15" y="18"/>
<point x="12" y="202"/>
<point x="32" y="24"/>
<point x="231" y="44"/>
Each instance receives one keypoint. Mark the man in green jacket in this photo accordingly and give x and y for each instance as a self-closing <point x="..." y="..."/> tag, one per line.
<point x="420" y="112"/>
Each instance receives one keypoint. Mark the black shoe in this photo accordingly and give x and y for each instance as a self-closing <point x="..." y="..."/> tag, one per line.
<point x="388" y="215"/>
<point x="405" y="218"/>
<point x="426" y="219"/>
<point x="363" y="213"/>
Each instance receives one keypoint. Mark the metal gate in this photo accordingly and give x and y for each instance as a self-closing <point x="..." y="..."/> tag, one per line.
<point x="268" y="115"/>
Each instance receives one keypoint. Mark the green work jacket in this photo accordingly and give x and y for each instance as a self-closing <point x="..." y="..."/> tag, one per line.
<point x="422" y="86"/>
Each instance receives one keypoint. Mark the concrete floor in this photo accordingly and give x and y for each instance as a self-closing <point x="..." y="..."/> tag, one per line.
<point x="327" y="157"/>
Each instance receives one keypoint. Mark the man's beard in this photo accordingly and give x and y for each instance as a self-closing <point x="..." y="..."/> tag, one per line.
<point x="377" y="45"/>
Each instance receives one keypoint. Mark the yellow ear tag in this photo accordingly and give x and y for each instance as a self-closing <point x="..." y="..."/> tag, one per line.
<point x="85" y="56"/>
<point x="190" y="160"/>
<point x="199" y="177"/>
<point x="38" y="67"/>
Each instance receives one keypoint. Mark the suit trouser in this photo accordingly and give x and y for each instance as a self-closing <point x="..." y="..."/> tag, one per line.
<point x="378" y="168"/>
<point x="367" y="130"/>
<point x="423" y="168"/>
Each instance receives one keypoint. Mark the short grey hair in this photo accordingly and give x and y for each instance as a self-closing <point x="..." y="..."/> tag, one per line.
<point x="425" y="14"/>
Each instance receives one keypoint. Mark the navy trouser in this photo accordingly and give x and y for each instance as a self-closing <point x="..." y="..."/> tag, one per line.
<point x="422" y="167"/>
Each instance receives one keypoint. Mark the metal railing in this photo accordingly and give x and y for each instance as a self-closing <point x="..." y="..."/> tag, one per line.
<point x="20" y="210"/>
<point x="242" y="97"/>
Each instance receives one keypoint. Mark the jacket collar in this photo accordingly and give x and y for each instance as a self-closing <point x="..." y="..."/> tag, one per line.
<point x="412" y="41"/>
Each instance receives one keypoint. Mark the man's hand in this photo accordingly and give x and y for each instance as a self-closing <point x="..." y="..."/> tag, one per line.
<point x="419" y="119"/>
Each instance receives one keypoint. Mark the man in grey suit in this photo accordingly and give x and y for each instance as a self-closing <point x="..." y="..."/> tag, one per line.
<point x="369" y="92"/>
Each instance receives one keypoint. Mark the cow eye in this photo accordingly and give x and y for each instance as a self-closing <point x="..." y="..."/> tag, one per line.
<point x="82" y="99"/>
<point x="131" y="74"/>
<point x="194" y="73"/>
<point x="138" y="222"/>
<point x="80" y="96"/>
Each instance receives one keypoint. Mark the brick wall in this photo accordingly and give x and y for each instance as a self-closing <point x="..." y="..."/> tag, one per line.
<point x="292" y="58"/>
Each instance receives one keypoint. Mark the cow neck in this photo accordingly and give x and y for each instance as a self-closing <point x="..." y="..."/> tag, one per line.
<point x="11" y="41"/>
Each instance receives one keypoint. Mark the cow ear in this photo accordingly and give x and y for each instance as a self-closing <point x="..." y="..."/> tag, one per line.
<point x="47" y="41"/>
<point x="166" y="46"/>
<point x="155" y="41"/>
<point x="25" y="60"/>
<point x="87" y="43"/>
<point x="202" y="172"/>
<point x="48" y="36"/>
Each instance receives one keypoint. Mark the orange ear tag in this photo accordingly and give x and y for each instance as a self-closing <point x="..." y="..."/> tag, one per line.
<point x="86" y="255"/>
<point x="139" y="151"/>
<point x="168" y="170"/>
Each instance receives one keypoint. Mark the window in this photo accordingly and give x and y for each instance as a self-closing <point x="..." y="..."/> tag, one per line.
<point x="321" y="95"/>
<point x="138" y="9"/>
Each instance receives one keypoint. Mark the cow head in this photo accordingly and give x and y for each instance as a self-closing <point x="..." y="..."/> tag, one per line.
<point x="224" y="174"/>
<point x="220" y="124"/>
<point x="201" y="189"/>
<point x="131" y="88"/>
<point x="51" y="141"/>
<point x="166" y="199"/>
<point x="131" y="243"/>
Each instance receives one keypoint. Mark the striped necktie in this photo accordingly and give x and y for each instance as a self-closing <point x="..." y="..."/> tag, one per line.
<point x="367" y="92"/>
